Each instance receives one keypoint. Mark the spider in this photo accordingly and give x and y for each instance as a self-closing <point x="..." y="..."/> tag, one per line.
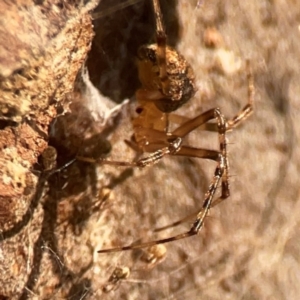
<point x="113" y="282"/>
<point x="168" y="82"/>
<point x="151" y="256"/>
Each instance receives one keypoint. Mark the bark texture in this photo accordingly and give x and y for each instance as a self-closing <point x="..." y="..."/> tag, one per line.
<point x="52" y="226"/>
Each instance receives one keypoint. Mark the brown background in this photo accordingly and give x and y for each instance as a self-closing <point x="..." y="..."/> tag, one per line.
<point x="249" y="248"/>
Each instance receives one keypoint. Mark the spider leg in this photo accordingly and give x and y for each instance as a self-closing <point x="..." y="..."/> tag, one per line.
<point x="51" y="172"/>
<point x="213" y="155"/>
<point x="248" y="108"/>
<point x="197" y="224"/>
<point x="161" y="39"/>
<point x="179" y="119"/>
<point x="221" y="168"/>
<point x="188" y="125"/>
<point x="194" y="123"/>
<point x="187" y="218"/>
<point x="207" y="154"/>
<point x="163" y="149"/>
<point x="173" y="148"/>
<point x="198" y="152"/>
<point x="177" y="223"/>
<point x="199" y="121"/>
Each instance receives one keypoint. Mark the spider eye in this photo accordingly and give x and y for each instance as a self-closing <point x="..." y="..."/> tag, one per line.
<point x="139" y="110"/>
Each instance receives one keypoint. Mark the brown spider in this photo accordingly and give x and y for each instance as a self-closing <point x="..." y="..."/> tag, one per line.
<point x="113" y="282"/>
<point x="150" y="257"/>
<point x="168" y="82"/>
